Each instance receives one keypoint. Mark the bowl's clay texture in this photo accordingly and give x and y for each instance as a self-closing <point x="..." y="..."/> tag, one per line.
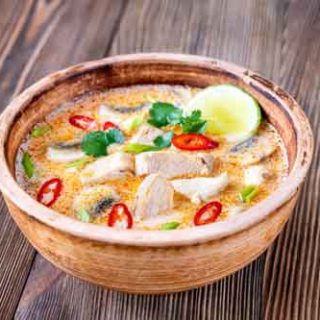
<point x="152" y="261"/>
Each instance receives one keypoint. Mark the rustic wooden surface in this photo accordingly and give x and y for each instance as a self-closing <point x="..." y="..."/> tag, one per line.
<point x="278" y="38"/>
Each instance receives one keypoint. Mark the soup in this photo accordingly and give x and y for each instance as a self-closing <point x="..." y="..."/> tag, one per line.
<point x="153" y="157"/>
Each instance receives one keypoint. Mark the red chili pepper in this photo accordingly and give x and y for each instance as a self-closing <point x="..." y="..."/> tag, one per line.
<point x="193" y="142"/>
<point x="120" y="216"/>
<point x="208" y="213"/>
<point x="82" y="122"/>
<point x="50" y="192"/>
<point x="109" y="125"/>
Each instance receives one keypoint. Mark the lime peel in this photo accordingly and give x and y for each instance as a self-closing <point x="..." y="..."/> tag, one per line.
<point x="229" y="110"/>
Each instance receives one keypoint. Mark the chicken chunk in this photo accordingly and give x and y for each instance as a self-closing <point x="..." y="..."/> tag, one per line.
<point x="155" y="195"/>
<point x="172" y="164"/>
<point x="201" y="189"/>
<point x="115" y="166"/>
<point x="146" y="134"/>
<point x="254" y="175"/>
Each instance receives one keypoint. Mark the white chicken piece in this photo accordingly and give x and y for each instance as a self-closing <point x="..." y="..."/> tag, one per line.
<point x="56" y="154"/>
<point x="115" y="166"/>
<point x="155" y="195"/>
<point x="172" y="164"/>
<point x="201" y="189"/>
<point x="146" y="134"/>
<point x="254" y="175"/>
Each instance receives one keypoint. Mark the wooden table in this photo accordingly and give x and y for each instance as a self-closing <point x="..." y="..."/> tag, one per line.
<point x="278" y="38"/>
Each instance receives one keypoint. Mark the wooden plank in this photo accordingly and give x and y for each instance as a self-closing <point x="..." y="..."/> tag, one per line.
<point x="292" y="273"/>
<point x="39" y="29"/>
<point x="211" y="29"/>
<point x="263" y="36"/>
<point x="16" y="254"/>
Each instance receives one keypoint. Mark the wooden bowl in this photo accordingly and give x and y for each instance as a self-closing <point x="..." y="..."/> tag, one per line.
<point x="152" y="261"/>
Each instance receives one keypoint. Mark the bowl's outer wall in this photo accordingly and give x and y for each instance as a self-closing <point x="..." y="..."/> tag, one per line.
<point x="158" y="267"/>
<point x="151" y="270"/>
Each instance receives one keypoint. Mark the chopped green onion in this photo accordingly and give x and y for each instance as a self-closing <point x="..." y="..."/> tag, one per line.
<point x="170" y="225"/>
<point x="27" y="165"/>
<point x="133" y="123"/>
<point x="138" y="148"/>
<point x="78" y="163"/>
<point x="83" y="215"/>
<point x="248" y="193"/>
<point x="40" y="131"/>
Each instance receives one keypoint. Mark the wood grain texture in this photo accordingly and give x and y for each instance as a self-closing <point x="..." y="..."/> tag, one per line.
<point x="30" y="31"/>
<point x="277" y="38"/>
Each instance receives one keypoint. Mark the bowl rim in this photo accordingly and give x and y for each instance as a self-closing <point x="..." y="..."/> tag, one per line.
<point x="15" y="194"/>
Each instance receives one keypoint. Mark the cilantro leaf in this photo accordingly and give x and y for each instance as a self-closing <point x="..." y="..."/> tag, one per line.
<point x="96" y="143"/>
<point x="193" y="123"/>
<point x="163" y="114"/>
<point x="115" y="136"/>
<point x="164" y="141"/>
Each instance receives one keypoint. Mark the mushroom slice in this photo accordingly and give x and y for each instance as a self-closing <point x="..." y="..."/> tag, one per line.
<point x="254" y="149"/>
<point x="95" y="200"/>
<point x="65" y="152"/>
<point x="155" y="195"/>
<point x="201" y="189"/>
<point x="115" y="166"/>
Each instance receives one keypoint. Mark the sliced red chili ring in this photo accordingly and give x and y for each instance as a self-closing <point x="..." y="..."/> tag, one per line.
<point x="193" y="142"/>
<point x="49" y="192"/>
<point x="120" y="217"/>
<point x="208" y="213"/>
<point x="82" y="122"/>
<point x="109" y="125"/>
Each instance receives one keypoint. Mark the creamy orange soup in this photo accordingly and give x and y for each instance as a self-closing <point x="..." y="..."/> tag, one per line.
<point x="244" y="171"/>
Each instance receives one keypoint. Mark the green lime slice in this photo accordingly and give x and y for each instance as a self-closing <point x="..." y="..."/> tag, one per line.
<point x="229" y="110"/>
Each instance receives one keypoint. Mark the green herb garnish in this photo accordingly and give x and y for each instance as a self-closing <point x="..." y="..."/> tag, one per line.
<point x="133" y="123"/>
<point x="170" y="225"/>
<point x="248" y="193"/>
<point x="83" y="215"/>
<point x="139" y="148"/>
<point x="78" y="163"/>
<point x="163" y="114"/>
<point x="27" y="165"/>
<point x="40" y="131"/>
<point x="115" y="136"/>
<point x="193" y="123"/>
<point x="164" y="141"/>
<point x="95" y="143"/>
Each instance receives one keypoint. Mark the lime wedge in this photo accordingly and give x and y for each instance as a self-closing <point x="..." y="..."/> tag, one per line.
<point x="229" y="111"/>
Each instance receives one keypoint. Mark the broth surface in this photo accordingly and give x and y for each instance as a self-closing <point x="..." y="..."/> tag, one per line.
<point x="60" y="132"/>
